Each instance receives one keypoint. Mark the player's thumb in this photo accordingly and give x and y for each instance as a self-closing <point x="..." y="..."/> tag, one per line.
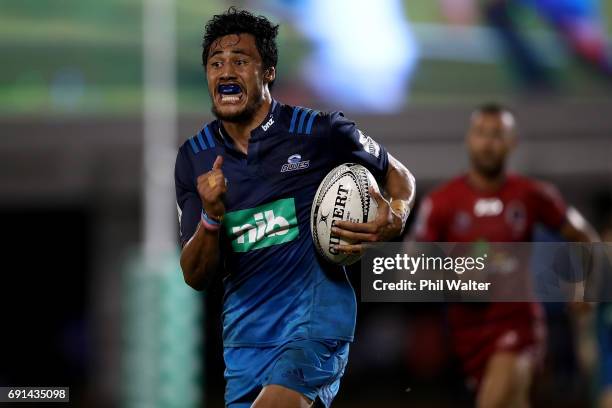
<point x="218" y="163"/>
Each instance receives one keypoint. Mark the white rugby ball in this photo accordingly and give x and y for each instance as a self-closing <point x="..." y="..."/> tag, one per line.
<point x="343" y="195"/>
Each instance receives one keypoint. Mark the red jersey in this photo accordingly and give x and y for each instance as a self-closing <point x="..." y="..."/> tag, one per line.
<point x="459" y="212"/>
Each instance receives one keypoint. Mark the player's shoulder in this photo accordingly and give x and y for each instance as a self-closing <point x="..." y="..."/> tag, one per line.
<point x="203" y="141"/>
<point x="449" y="189"/>
<point x="519" y="179"/>
<point x="201" y="146"/>
<point x="529" y="184"/>
<point x="301" y="120"/>
<point x="312" y="121"/>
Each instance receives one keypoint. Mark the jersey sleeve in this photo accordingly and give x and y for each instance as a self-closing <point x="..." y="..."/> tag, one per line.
<point x="550" y="207"/>
<point x="351" y="145"/>
<point x="188" y="201"/>
<point x="430" y="222"/>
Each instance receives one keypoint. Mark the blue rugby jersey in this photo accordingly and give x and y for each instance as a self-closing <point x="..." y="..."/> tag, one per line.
<point x="276" y="287"/>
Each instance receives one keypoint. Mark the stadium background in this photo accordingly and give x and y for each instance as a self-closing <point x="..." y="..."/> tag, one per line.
<point x="85" y="305"/>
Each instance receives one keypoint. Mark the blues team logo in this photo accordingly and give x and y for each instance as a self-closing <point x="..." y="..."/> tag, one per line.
<point x="294" y="162"/>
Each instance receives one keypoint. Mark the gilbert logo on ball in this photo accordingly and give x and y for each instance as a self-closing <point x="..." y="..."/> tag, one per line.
<point x="342" y="196"/>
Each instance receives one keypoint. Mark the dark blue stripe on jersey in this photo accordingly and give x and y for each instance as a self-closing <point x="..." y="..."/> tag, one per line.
<point x="209" y="137"/>
<point x="296" y="110"/>
<point x="311" y="121"/>
<point x="305" y="113"/>
<point x="194" y="147"/>
<point x="201" y="141"/>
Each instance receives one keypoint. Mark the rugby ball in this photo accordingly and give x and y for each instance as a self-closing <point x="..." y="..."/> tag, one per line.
<point x="342" y="195"/>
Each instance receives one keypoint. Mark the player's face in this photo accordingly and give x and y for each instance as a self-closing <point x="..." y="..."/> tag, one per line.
<point x="490" y="139"/>
<point x="236" y="78"/>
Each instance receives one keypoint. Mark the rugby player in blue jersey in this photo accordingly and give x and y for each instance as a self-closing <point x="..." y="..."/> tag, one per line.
<point x="245" y="184"/>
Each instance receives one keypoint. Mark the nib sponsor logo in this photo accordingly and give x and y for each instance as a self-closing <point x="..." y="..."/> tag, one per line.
<point x="269" y="224"/>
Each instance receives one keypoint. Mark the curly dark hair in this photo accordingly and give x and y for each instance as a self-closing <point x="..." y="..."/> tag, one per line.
<point x="235" y="21"/>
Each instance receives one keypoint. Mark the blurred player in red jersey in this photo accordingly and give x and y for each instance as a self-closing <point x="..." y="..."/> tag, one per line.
<point x="499" y="344"/>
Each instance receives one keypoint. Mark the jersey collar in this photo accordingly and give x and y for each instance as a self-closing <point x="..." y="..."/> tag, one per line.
<point x="261" y="131"/>
<point x="268" y="125"/>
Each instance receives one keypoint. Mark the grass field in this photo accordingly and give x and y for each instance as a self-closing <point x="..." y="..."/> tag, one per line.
<point x="84" y="57"/>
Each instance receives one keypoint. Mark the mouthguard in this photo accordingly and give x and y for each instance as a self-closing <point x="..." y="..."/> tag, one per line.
<point x="229" y="89"/>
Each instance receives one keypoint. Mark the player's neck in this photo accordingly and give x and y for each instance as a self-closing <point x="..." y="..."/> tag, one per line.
<point x="486" y="183"/>
<point x="241" y="132"/>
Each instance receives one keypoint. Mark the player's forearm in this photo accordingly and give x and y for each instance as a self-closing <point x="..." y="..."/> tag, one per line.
<point x="400" y="187"/>
<point x="200" y="258"/>
<point x="578" y="229"/>
<point x="400" y="183"/>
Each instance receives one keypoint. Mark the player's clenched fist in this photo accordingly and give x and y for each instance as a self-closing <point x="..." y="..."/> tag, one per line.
<point x="211" y="187"/>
